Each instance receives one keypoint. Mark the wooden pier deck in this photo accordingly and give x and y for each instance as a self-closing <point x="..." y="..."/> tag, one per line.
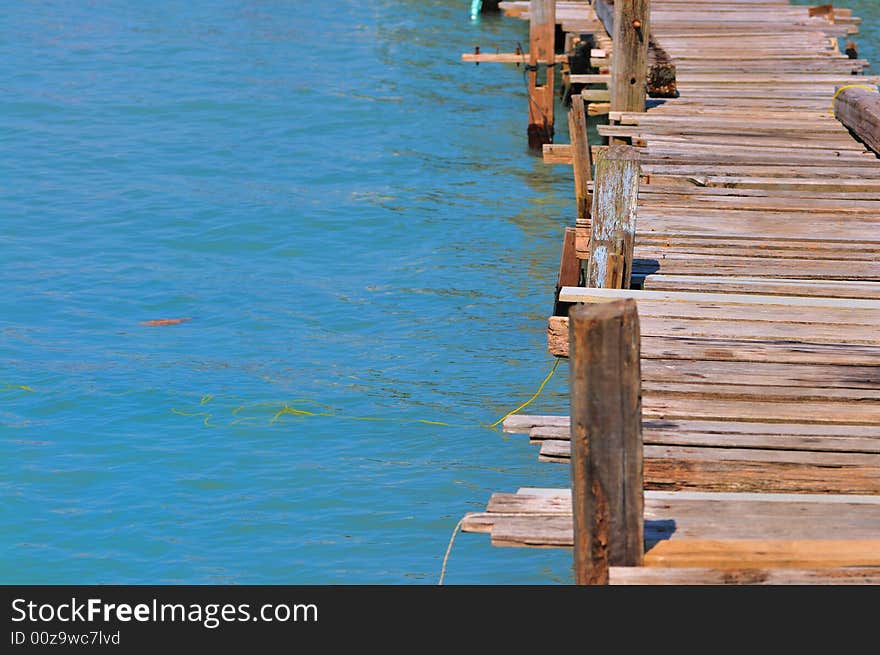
<point x="756" y="275"/>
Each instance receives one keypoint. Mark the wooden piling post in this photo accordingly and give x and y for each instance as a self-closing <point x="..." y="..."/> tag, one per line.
<point x="613" y="218"/>
<point x="630" y="62"/>
<point x="851" y="49"/>
<point x="582" y="159"/>
<point x="542" y="54"/>
<point x="606" y="439"/>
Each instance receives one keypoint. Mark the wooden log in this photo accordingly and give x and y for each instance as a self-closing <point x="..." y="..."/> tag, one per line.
<point x="582" y="159"/>
<point x="613" y="225"/>
<point x="542" y="38"/>
<point x="606" y="437"/>
<point x="630" y="62"/>
<point x="859" y="110"/>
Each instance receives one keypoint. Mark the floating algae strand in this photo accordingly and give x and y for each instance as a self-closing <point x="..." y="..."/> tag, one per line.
<point x="272" y="412"/>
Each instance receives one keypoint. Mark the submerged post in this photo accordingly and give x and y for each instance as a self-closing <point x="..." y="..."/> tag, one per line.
<point x="542" y="57"/>
<point x="606" y="439"/>
<point x="613" y="218"/>
<point x="630" y="62"/>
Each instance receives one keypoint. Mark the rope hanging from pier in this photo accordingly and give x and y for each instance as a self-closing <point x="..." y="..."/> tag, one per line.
<point x="511" y="515"/>
<point x="534" y="396"/>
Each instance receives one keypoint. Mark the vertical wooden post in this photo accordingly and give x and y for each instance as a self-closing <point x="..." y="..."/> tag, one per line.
<point x="613" y="217"/>
<point x="582" y="159"/>
<point x="629" y="65"/>
<point x="606" y="439"/>
<point x="542" y="53"/>
<point x="569" y="271"/>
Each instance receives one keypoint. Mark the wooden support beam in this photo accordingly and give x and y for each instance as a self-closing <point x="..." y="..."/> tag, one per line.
<point x="859" y="110"/>
<point x="631" y="33"/>
<point x="613" y="222"/>
<point x="542" y="38"/>
<point x="606" y="438"/>
<point x="582" y="159"/>
<point x="504" y="58"/>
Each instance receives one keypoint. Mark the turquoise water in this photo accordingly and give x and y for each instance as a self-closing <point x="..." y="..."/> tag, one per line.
<point x="868" y="37"/>
<point x="350" y="219"/>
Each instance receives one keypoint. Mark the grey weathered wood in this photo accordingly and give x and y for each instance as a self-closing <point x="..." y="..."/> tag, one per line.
<point x="631" y="32"/>
<point x="859" y="110"/>
<point x="613" y="224"/>
<point x="542" y="36"/>
<point x="543" y="518"/>
<point x="593" y="295"/>
<point x="606" y="436"/>
<point x="582" y="159"/>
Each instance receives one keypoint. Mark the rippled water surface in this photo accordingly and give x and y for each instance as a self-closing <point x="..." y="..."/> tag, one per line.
<point x="348" y="216"/>
<point x="366" y="252"/>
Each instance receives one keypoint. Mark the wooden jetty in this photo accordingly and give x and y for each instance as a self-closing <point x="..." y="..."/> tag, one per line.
<point x="718" y="298"/>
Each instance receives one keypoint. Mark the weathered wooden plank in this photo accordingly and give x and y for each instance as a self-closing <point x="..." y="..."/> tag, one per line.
<point x="726" y="155"/>
<point x="745" y="331"/>
<point x="509" y="58"/>
<point x="765" y="553"/>
<point x="724" y="456"/>
<point x="671" y="270"/>
<point x="738" y="350"/>
<point x="785" y="287"/>
<point x="539" y="518"/>
<point x="796" y="380"/>
<point x="554" y="448"/>
<point x="557" y="427"/>
<point x="644" y="575"/>
<point x="581" y="294"/>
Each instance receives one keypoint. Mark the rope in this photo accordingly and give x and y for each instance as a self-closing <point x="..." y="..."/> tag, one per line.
<point x="493" y="514"/>
<point x="534" y="396"/>
<point x="851" y="86"/>
<point x="448" y="551"/>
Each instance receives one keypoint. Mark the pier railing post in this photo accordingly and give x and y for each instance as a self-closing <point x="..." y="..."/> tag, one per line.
<point x="613" y="218"/>
<point x="629" y="64"/>
<point x="542" y="54"/>
<point x="606" y="439"/>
